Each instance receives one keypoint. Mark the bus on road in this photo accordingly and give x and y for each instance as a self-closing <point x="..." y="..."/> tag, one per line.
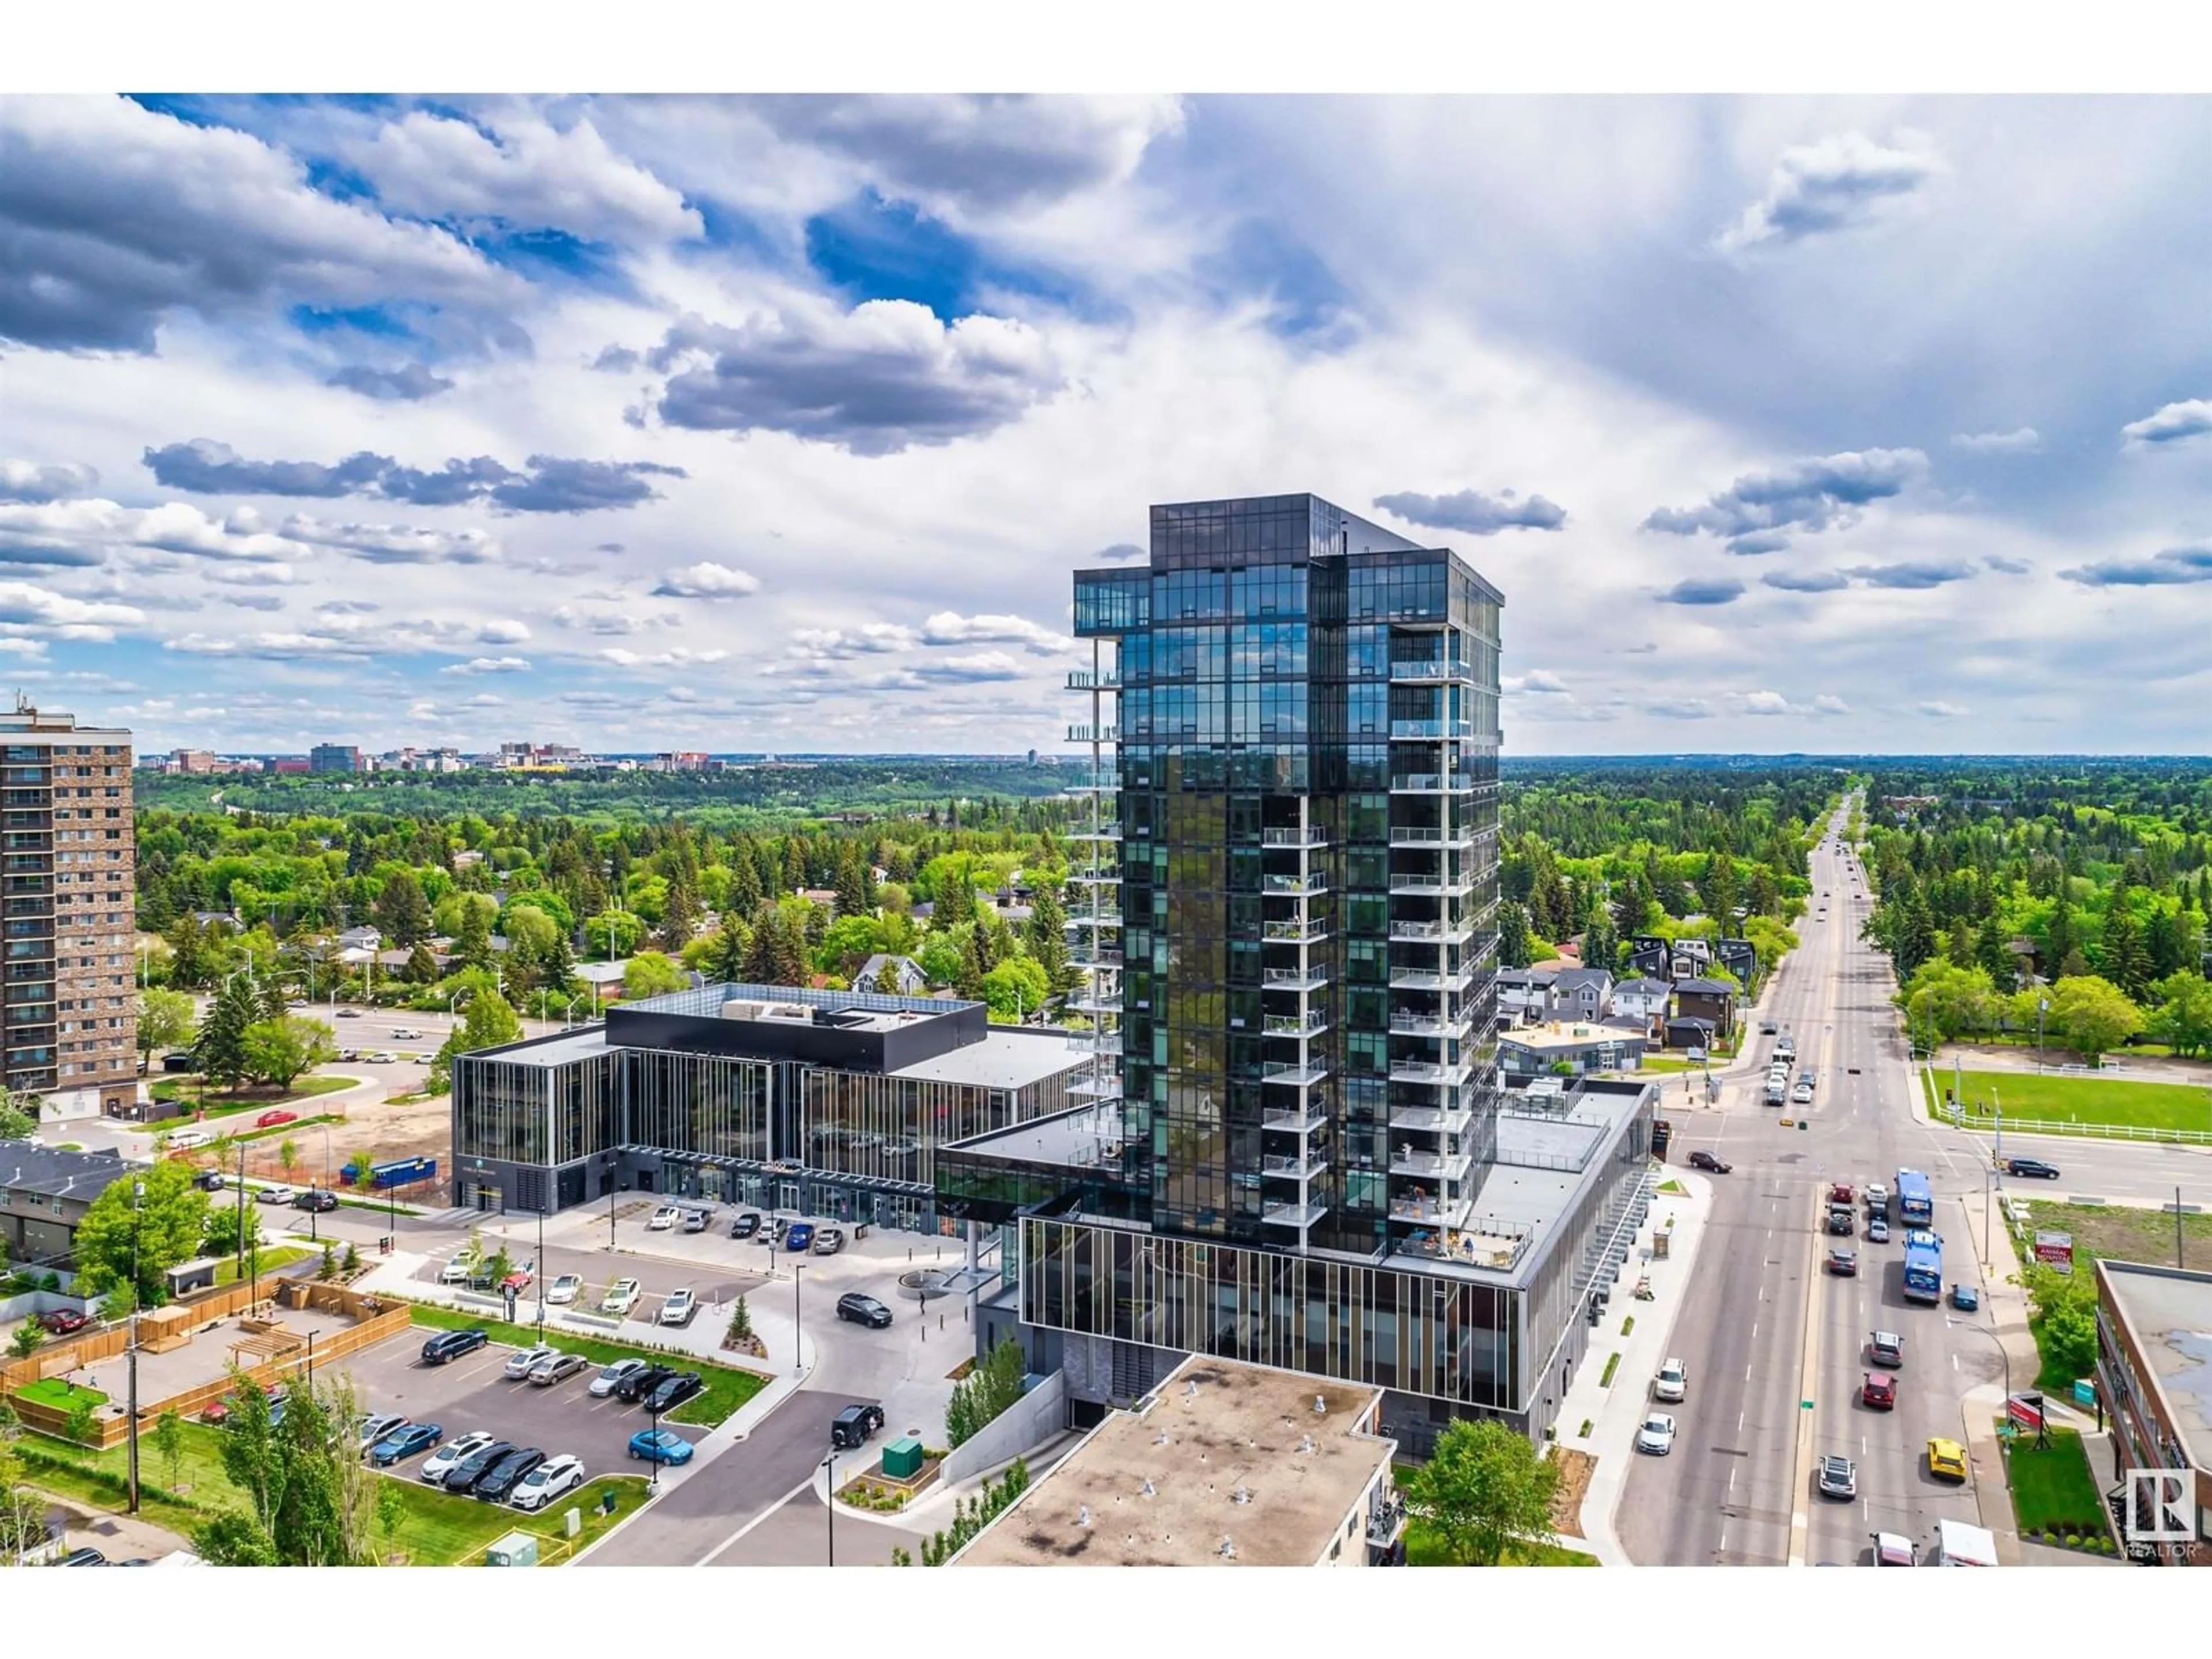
<point x="1924" y="1266"/>
<point x="1916" y="1201"/>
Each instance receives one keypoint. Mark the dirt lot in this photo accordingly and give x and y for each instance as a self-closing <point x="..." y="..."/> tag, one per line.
<point x="1576" y="1468"/>
<point x="2125" y="1235"/>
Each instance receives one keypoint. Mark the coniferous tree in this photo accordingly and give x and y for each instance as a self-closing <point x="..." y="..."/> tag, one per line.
<point x="401" y="914"/>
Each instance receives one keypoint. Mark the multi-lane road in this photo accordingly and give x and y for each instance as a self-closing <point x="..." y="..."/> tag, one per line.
<point x="1775" y="1345"/>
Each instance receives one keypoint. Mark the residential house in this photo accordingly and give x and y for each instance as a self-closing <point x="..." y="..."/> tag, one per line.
<point x="1523" y="995"/>
<point x="1581" y="994"/>
<point x="44" y="1194"/>
<point x="1689" y="1031"/>
<point x="1713" y="1000"/>
<point x="912" y="981"/>
<point x="1643" y="999"/>
<point x="360" y="939"/>
<point x="1739" y="956"/>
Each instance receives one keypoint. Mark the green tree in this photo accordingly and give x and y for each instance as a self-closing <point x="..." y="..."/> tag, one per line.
<point x="2063" y="1310"/>
<point x="2095" y="1016"/>
<point x="84" y="1425"/>
<point x="612" y="934"/>
<point x="2126" y="960"/>
<point x="848" y="942"/>
<point x="1485" y="1490"/>
<point x="887" y="980"/>
<point x="401" y="913"/>
<point x="489" y="1023"/>
<point x="777" y="955"/>
<point x="197" y="952"/>
<point x="27" y="1340"/>
<point x="472" y="945"/>
<point x="2183" y="1018"/>
<point x="422" y="967"/>
<point x="220" y="1050"/>
<point x="164" y="1021"/>
<point x="169" y="1443"/>
<point x="277" y="1050"/>
<point x="941" y="961"/>
<point x="1993" y="952"/>
<point x="391" y="1510"/>
<point x="1045" y="936"/>
<point x="167" y="1226"/>
<point x="15" y="1124"/>
<point x="311" y="1493"/>
<point x="233" y="1539"/>
<point x="680" y="914"/>
<point x="1015" y="989"/>
<point x="990" y="1388"/>
<point x="287" y="1156"/>
<point x="651" y="974"/>
<point x="1942" y="1002"/>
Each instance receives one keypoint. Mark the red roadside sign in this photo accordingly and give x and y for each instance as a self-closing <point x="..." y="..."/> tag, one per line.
<point x="2027" y="1411"/>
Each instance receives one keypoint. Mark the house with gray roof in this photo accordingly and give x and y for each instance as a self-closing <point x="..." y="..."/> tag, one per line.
<point x="912" y="981"/>
<point x="44" y="1194"/>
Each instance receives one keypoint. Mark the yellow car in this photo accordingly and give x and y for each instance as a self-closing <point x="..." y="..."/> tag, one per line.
<point x="1947" y="1459"/>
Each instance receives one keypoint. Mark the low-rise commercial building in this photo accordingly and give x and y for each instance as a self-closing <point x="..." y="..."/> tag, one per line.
<point x="1222" y="1465"/>
<point x="2154" y="1377"/>
<point x="1535" y="1050"/>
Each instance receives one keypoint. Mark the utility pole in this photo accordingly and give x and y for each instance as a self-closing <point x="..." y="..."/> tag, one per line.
<point x="138" y="1198"/>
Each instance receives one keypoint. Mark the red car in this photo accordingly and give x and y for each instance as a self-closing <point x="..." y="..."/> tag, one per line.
<point x="517" y="1281"/>
<point x="62" y="1321"/>
<point x="271" y="1119"/>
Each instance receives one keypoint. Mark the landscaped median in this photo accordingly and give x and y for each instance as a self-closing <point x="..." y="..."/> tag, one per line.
<point x="726" y="1387"/>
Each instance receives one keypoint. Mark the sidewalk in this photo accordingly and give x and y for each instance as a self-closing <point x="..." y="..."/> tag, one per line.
<point x="1615" y="1412"/>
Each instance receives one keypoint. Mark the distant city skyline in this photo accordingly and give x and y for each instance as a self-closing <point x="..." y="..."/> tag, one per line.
<point x="1813" y="425"/>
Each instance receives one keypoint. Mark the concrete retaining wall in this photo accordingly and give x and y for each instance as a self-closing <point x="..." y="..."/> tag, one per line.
<point x="1030" y="1421"/>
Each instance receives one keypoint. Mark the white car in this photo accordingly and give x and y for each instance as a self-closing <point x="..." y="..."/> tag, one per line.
<point x="663" y="1219"/>
<point x="565" y="1289"/>
<point x="611" y="1378"/>
<point x="1673" y="1381"/>
<point x="440" y="1462"/>
<point x="181" y="1140"/>
<point x="373" y="1429"/>
<point x="1657" y="1436"/>
<point x="405" y="1034"/>
<point x="622" y="1296"/>
<point x="678" y="1308"/>
<point x="548" y="1481"/>
<point x="1803" y="1094"/>
<point x="275" y="1195"/>
<point x="382" y="1057"/>
<point x="458" y="1270"/>
<point x="520" y="1365"/>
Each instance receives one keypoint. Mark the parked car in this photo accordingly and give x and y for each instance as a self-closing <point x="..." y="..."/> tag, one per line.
<point x="557" y="1368"/>
<point x="1839" y="1478"/>
<point x="621" y="1297"/>
<point x="745" y="1226"/>
<point x="451" y="1344"/>
<point x="696" y="1221"/>
<point x="1845" y="1264"/>
<point x="1878" y="1391"/>
<point x="1802" y="1094"/>
<point x="464" y="1475"/>
<point x="565" y="1289"/>
<point x="1673" y="1383"/>
<point x="611" y="1378"/>
<point x="382" y="1057"/>
<point x="271" y="1119"/>
<point x="660" y="1446"/>
<point x="672" y="1391"/>
<point x="516" y="1282"/>
<point x="348" y="1013"/>
<point x="277" y="1194"/>
<point x="800" y="1238"/>
<point x="85" y="1557"/>
<point x="828" y="1240"/>
<point x="444" y="1461"/>
<point x="405" y="1443"/>
<point x="405" y="1034"/>
<point x="208" y="1181"/>
<point x="62" y="1321"/>
<point x="1707" y="1161"/>
<point x="1877" y="1230"/>
<point x="634" y="1386"/>
<point x="498" y="1482"/>
<point x="373" y="1429"/>
<point x="1657" y="1437"/>
<point x="678" y="1308"/>
<point x="183" y="1140"/>
<point x="663" y="1219"/>
<point x="216" y="1413"/>
<point x="863" y="1311"/>
<point x="855" y="1426"/>
<point x="520" y="1362"/>
<point x="2035" y="1167"/>
<point x="1886" y="1350"/>
<point x="1965" y="1298"/>
<point x="315" y="1199"/>
<point x="1947" y="1459"/>
<point x="555" y="1476"/>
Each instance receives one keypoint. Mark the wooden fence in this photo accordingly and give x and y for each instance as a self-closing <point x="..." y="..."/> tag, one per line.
<point x="337" y="1346"/>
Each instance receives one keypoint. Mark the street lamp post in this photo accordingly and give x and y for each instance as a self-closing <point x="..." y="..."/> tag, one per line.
<point x="137" y="1197"/>
<point x="2041" y="1004"/>
<point x="797" y="1330"/>
<point x="830" y="1505"/>
<point x="538" y="1265"/>
<point x="652" y="1410"/>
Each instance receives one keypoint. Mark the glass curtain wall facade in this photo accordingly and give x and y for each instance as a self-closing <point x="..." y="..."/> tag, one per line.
<point x="1300" y="769"/>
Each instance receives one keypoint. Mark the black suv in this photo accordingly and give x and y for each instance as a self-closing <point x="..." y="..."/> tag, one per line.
<point x="465" y="1475"/>
<point x="855" y="1426"/>
<point x="451" y="1344"/>
<point x="863" y="1311"/>
<point x="315" y="1199"/>
<point x="672" y="1391"/>
<point x="208" y="1181"/>
<point x="745" y="1226"/>
<point x="639" y="1384"/>
<point x="1707" y="1161"/>
<point x="2032" y="1166"/>
<point x="498" y="1482"/>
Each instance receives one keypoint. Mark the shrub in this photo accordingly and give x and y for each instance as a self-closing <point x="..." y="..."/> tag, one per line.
<point x="1628" y="1324"/>
<point x="1583" y="1433"/>
<point x="1612" y="1365"/>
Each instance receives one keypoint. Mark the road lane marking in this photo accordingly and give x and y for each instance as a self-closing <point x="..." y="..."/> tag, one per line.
<point x="806" y="1485"/>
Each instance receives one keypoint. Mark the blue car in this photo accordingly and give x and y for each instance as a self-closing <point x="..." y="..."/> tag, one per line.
<point x="660" y="1446"/>
<point x="1965" y="1298"/>
<point x="405" y="1443"/>
<point x="800" y="1238"/>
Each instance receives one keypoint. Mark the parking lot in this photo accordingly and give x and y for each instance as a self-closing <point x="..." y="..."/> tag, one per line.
<point x="473" y="1392"/>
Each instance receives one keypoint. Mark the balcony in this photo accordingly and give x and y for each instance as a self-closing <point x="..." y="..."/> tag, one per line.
<point x="1095" y="878"/>
<point x="1304" y="931"/>
<point x="1098" y="1088"/>
<point x="1299" y="1120"/>
<point x="1094" y="734"/>
<point x="1086" y="679"/>
<point x="1098" y="832"/>
<point x="1431" y="933"/>
<point x="1295" y="886"/>
<point x="1298" y="1073"/>
<point x="1428" y="1072"/>
<point x="1300" y="1216"/>
<point x="1087" y="1002"/>
<point x="1430" y="783"/>
<point x="1428" y="979"/>
<point x="1429" y="731"/>
<point x="1302" y="1026"/>
<point x="1091" y="957"/>
<point x="1295" y="979"/>
<point x="1445" y="1213"/>
<point x="1079" y="790"/>
<point x="1432" y="1120"/>
<point x="1107" y="1045"/>
<point x="1432" y="671"/>
<point x="1452" y="1166"/>
<point x="1096" y="918"/>
<point x="1301" y="837"/>
<point x="1442" y="838"/>
<point x="1434" y="883"/>
<point x="1302" y="1166"/>
<point x="1410" y="1022"/>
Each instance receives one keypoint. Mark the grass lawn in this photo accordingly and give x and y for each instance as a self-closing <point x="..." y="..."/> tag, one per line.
<point x="2128" y="1234"/>
<point x="727" y="1387"/>
<point x="186" y="1089"/>
<point x="443" y="1531"/>
<point x="2061" y="1100"/>
<point x="272" y="1258"/>
<point x="1423" y="1549"/>
<point x="1669" y="1063"/>
<point x="62" y="1394"/>
<point x="2055" y="1487"/>
<point x="277" y="1131"/>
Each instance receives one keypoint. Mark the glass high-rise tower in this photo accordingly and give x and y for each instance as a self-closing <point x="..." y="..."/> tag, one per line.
<point x="1287" y="907"/>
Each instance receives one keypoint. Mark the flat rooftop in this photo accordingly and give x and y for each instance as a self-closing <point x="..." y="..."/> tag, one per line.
<point x="2169" y="1311"/>
<point x="1552" y="1037"/>
<point x="580" y="1044"/>
<point x="1067" y="1138"/>
<point x="1242" y="1429"/>
<point x="1004" y="1060"/>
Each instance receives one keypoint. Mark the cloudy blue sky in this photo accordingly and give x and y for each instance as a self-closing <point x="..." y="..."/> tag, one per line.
<point x="1804" y="423"/>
